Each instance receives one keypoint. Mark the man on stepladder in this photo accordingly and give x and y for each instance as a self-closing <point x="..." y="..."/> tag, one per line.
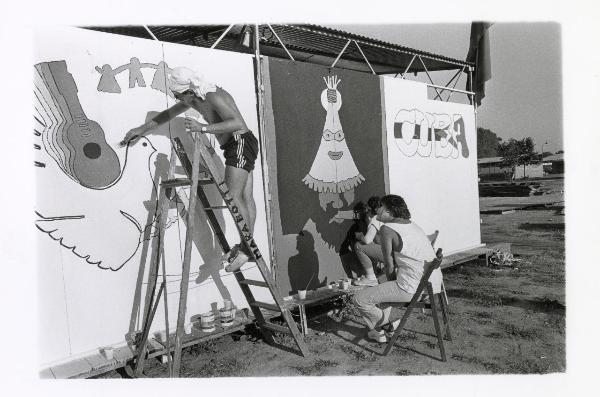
<point x="239" y="145"/>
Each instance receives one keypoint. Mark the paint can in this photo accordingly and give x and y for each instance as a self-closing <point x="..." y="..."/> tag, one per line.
<point x="188" y="327"/>
<point x="302" y="294"/>
<point x="227" y="316"/>
<point x="345" y="284"/>
<point x="108" y="352"/>
<point x="207" y="322"/>
<point x="227" y="304"/>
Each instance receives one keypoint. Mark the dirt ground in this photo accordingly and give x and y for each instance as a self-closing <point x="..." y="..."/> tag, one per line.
<point x="507" y="319"/>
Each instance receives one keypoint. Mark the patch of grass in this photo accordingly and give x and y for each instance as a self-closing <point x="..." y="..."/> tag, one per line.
<point x="358" y="354"/>
<point x="353" y="371"/>
<point x="430" y="344"/>
<point x="217" y="368"/>
<point x="525" y="366"/>
<point x="520" y="331"/>
<point x="489" y="366"/>
<point x="494" y="335"/>
<point x="403" y="372"/>
<point x="302" y="370"/>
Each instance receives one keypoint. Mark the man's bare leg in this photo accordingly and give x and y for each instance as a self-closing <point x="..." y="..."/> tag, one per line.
<point x="237" y="180"/>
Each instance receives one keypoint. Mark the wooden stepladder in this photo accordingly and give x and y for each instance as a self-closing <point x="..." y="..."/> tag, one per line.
<point x="202" y="150"/>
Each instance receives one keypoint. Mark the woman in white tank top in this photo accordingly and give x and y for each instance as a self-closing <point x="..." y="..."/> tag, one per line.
<point x="405" y="249"/>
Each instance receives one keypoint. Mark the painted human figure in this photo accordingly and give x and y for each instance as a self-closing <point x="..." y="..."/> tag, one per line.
<point x="333" y="172"/>
<point x="108" y="81"/>
<point x="159" y="79"/>
<point x="224" y="120"/>
<point x="135" y="73"/>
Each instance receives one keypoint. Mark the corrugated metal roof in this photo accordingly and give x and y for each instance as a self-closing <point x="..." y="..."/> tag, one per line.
<point x="309" y="43"/>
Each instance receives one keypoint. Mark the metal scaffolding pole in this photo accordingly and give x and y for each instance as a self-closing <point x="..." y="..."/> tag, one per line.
<point x="216" y="43"/>
<point x="281" y="42"/>
<point x="340" y="54"/>
<point x="263" y="148"/>
<point x="363" y="54"/>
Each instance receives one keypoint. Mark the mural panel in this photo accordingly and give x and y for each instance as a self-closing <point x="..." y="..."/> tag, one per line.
<point x="96" y="200"/>
<point x="328" y="133"/>
<point x="432" y="160"/>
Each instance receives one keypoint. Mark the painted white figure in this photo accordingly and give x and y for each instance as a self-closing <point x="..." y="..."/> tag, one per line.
<point x="333" y="172"/>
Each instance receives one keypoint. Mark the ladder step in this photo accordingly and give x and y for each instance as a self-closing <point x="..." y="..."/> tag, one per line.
<point x="276" y="328"/>
<point x="185" y="182"/>
<point x="254" y="282"/>
<point x="267" y="306"/>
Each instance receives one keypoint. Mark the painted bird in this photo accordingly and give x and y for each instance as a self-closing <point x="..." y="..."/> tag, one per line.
<point x="102" y="227"/>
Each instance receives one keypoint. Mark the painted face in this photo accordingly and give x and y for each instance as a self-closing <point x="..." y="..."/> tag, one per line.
<point x="333" y="169"/>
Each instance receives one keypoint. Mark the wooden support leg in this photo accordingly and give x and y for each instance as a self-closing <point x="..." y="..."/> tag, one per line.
<point x="390" y="344"/>
<point x="445" y="316"/>
<point x="436" y="321"/>
<point x="303" y="320"/>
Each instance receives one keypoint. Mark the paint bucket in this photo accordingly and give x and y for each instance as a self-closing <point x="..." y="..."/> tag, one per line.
<point x="341" y="283"/>
<point x="227" y="304"/>
<point x="207" y="322"/>
<point x="108" y="352"/>
<point x="345" y="285"/>
<point x="227" y="316"/>
<point x="188" y="327"/>
<point x="301" y="294"/>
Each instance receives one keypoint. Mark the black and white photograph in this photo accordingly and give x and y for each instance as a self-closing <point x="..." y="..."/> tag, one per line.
<point x="301" y="204"/>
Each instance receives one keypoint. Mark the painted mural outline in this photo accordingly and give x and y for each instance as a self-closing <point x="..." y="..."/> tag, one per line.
<point x="108" y="82"/>
<point x="439" y="135"/>
<point x="333" y="172"/>
<point x="76" y="143"/>
<point x="78" y="147"/>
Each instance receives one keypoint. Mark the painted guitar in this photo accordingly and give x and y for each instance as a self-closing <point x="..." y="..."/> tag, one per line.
<point x="92" y="162"/>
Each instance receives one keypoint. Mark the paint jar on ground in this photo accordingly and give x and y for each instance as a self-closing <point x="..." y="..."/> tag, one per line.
<point x="108" y="352"/>
<point x="302" y="294"/>
<point x="227" y="304"/>
<point x="227" y="316"/>
<point x="188" y="327"/>
<point x="207" y="322"/>
<point x="346" y="285"/>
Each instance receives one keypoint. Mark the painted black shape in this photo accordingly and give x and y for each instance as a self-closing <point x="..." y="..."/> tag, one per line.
<point x="40" y="121"/>
<point x="36" y="146"/>
<point x="37" y="133"/>
<point x="92" y="150"/>
<point x="39" y="164"/>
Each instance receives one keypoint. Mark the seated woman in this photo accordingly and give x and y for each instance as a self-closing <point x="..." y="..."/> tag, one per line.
<point x="367" y="245"/>
<point x="405" y="251"/>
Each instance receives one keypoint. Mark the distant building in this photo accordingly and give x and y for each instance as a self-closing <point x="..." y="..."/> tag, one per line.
<point x="554" y="164"/>
<point x="493" y="169"/>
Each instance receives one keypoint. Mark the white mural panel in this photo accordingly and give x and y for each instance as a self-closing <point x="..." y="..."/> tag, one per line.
<point x="96" y="200"/>
<point x="432" y="159"/>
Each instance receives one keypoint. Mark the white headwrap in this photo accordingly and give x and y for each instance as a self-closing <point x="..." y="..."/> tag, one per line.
<point x="182" y="79"/>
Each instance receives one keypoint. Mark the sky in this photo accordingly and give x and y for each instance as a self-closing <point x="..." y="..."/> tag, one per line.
<point x="524" y="96"/>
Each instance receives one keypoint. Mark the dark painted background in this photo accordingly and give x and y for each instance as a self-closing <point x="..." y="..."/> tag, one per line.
<point x="298" y="116"/>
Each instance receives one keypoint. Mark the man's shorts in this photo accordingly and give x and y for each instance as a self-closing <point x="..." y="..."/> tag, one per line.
<point x="241" y="151"/>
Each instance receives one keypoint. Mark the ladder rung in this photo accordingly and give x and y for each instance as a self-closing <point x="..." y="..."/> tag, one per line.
<point x="267" y="306"/>
<point x="276" y="328"/>
<point x="185" y="182"/>
<point x="254" y="282"/>
<point x="176" y="182"/>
